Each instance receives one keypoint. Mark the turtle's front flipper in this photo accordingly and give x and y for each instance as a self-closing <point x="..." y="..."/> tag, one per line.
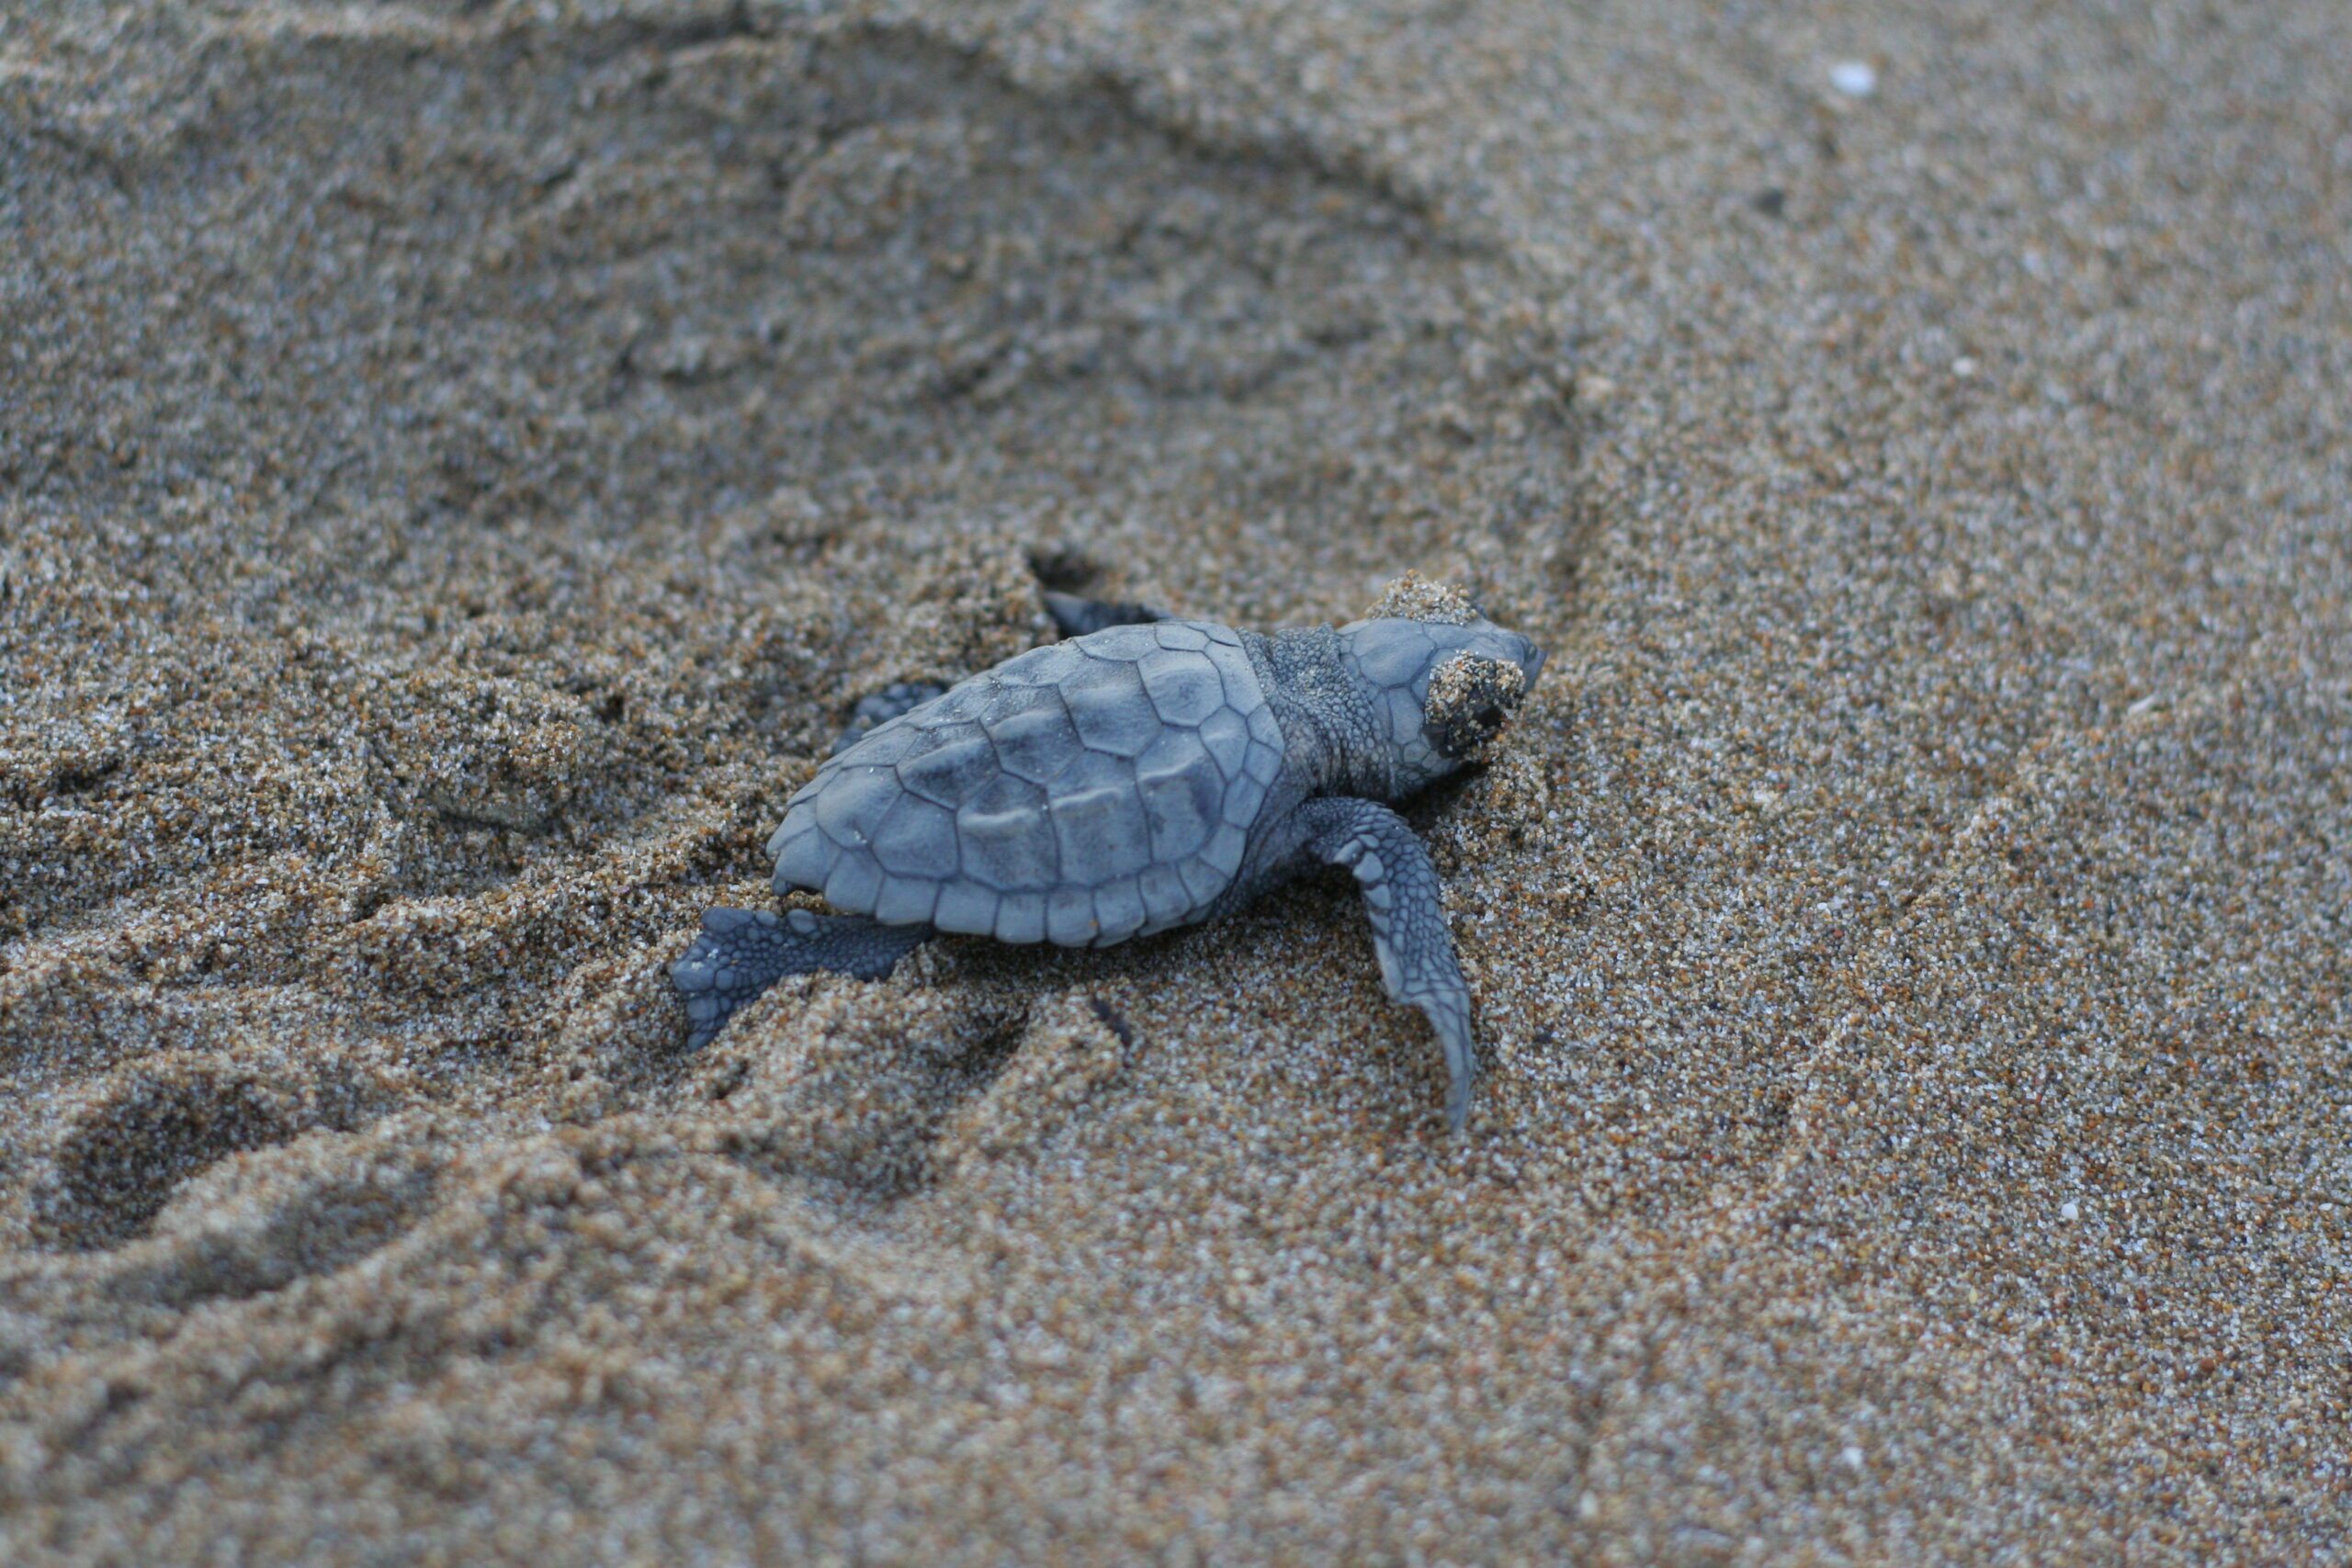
<point x="1408" y="930"/>
<point x="741" y="952"/>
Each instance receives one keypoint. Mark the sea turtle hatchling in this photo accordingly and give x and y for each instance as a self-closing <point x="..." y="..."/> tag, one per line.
<point x="1143" y="775"/>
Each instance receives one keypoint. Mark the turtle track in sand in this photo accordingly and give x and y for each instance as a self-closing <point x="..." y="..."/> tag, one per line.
<point x="554" y="478"/>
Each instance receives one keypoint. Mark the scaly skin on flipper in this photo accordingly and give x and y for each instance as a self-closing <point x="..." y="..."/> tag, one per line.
<point x="741" y="952"/>
<point x="1148" y="774"/>
<point x="1409" y="929"/>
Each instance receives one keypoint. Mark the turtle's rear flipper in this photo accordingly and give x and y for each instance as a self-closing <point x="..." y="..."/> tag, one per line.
<point x="741" y="952"/>
<point x="1074" y="616"/>
<point x="877" y="708"/>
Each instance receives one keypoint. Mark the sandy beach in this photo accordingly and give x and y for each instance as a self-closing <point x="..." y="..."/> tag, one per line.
<point x="461" y="461"/>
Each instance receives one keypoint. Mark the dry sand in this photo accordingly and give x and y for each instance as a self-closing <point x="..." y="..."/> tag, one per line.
<point x="459" y="463"/>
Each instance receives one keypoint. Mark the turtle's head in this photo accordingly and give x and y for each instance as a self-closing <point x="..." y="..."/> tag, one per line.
<point x="1441" y="686"/>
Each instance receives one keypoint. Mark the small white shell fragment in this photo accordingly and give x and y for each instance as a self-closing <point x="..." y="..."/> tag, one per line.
<point x="1854" y="78"/>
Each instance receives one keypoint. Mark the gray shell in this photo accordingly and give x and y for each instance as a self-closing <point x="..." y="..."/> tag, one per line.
<point x="1081" y="793"/>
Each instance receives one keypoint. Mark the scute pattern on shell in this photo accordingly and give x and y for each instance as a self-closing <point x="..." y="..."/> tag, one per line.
<point x="1084" y="793"/>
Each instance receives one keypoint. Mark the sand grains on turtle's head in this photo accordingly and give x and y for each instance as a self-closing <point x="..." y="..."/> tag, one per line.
<point x="1471" y="700"/>
<point x="1413" y="597"/>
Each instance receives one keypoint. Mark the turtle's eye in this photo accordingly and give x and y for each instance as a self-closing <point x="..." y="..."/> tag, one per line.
<point x="1470" y="700"/>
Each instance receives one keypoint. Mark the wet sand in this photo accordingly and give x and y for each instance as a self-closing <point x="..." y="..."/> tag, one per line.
<point x="459" y="464"/>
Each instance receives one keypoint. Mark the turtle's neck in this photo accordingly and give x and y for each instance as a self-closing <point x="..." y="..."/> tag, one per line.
<point x="1332" y="741"/>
